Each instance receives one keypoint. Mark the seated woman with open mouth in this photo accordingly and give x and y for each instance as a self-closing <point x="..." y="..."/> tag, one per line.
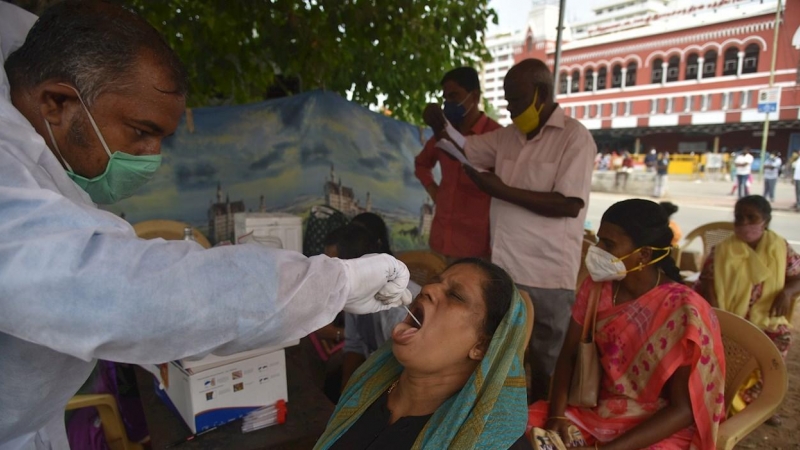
<point x="455" y="381"/>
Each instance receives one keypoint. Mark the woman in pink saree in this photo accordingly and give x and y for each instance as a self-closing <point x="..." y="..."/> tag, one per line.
<point x="663" y="367"/>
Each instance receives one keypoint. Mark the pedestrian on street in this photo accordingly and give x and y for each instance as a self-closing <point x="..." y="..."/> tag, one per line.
<point x="772" y="169"/>
<point x="662" y="168"/>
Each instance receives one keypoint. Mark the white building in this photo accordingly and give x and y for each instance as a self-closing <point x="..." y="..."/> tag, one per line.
<point x="501" y="47"/>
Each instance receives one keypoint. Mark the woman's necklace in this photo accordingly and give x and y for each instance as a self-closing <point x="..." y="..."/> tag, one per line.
<point x="614" y="298"/>
<point x="394" y="385"/>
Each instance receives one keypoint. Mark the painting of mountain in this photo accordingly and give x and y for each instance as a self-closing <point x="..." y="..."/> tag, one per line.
<point x="288" y="155"/>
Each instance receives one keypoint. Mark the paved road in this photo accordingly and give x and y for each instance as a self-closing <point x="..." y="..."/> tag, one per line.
<point x="705" y="202"/>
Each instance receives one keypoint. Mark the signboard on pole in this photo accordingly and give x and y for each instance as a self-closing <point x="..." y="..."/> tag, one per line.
<point x="769" y="99"/>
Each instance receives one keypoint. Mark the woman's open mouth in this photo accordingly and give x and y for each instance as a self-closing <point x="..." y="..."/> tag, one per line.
<point x="405" y="330"/>
<point x="417" y="315"/>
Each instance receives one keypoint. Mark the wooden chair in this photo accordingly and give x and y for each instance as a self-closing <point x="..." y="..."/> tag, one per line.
<point x="710" y="234"/>
<point x="113" y="428"/>
<point x="746" y="349"/>
<point x="170" y="230"/>
<point x="423" y="265"/>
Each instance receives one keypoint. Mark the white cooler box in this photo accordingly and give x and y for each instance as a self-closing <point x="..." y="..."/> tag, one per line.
<point x="215" y="390"/>
<point x="278" y="230"/>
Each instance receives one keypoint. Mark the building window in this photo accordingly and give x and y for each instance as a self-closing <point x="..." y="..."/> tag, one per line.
<point x="628" y="107"/>
<point x="710" y="64"/>
<point x="588" y="79"/>
<point x="576" y="81"/>
<point x="673" y="69"/>
<point x="747" y="97"/>
<point x="669" y="105"/>
<point x="616" y="76"/>
<point x="529" y="44"/>
<point x="630" y="75"/>
<point x="750" y="64"/>
<point x="691" y="67"/>
<point x="704" y="101"/>
<point x="655" y="78"/>
<point x="613" y="109"/>
<point x="562" y="83"/>
<point x="725" y="101"/>
<point x="730" y="62"/>
<point x="653" y="106"/>
<point x="601" y="78"/>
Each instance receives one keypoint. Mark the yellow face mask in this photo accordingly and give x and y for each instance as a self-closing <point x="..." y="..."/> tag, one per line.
<point x="529" y="119"/>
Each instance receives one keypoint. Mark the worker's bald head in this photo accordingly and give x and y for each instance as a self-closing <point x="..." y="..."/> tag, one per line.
<point x="528" y="79"/>
<point x="92" y="45"/>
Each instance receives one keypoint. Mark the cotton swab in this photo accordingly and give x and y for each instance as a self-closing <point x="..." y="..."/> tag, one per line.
<point x="412" y="316"/>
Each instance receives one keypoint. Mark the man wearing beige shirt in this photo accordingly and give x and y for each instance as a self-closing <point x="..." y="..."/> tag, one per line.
<point x="540" y="192"/>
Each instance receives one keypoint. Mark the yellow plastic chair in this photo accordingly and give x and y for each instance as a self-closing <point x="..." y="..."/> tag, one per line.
<point x="423" y="265"/>
<point x="113" y="429"/>
<point x="746" y="349"/>
<point x="170" y="230"/>
<point x="710" y="234"/>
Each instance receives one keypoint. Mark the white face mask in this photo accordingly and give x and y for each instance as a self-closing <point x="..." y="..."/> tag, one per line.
<point x="603" y="266"/>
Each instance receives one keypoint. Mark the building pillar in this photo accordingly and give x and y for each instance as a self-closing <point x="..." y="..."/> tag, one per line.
<point x="700" y="62"/>
<point x="739" y="64"/>
<point x="716" y="144"/>
<point x="637" y="146"/>
<point x="594" y="82"/>
<point x="664" y="68"/>
<point x="569" y="84"/>
<point x="624" y="73"/>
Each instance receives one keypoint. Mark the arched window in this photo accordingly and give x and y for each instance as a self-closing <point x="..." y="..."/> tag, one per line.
<point x="750" y="64"/>
<point x="616" y="76"/>
<point x="673" y="68"/>
<point x="657" y="72"/>
<point x="691" y="67"/>
<point x="562" y="83"/>
<point x="528" y="44"/>
<point x="710" y="64"/>
<point x="730" y="62"/>
<point x="588" y="80"/>
<point x="601" y="78"/>
<point x="630" y="75"/>
<point x="576" y="81"/>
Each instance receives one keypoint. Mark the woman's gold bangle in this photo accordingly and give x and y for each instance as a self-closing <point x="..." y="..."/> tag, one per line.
<point x="556" y="418"/>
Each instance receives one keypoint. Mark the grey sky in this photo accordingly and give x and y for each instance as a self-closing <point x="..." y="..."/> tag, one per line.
<point x="513" y="14"/>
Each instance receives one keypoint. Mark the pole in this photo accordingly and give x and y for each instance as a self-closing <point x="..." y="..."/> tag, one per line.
<point x="771" y="82"/>
<point x="561" y="10"/>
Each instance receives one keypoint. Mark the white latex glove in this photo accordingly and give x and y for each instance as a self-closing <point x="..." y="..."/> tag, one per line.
<point x="377" y="282"/>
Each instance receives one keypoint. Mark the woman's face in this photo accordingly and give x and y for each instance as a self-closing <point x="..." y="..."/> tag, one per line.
<point x="747" y="214"/>
<point x="613" y="239"/>
<point x="452" y="311"/>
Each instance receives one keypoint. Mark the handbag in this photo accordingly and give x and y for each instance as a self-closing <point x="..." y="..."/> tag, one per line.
<point x="585" y="384"/>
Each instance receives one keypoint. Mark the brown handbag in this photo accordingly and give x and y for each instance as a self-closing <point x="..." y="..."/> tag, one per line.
<point x="585" y="385"/>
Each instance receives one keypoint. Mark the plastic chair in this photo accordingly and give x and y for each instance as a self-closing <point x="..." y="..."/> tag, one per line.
<point x="423" y="265"/>
<point x="746" y="349"/>
<point x="710" y="234"/>
<point x="170" y="230"/>
<point x="113" y="428"/>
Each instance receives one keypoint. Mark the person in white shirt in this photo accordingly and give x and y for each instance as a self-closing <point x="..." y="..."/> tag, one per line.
<point x="87" y="94"/>
<point x="797" y="183"/>
<point x="772" y="168"/>
<point x="743" y="163"/>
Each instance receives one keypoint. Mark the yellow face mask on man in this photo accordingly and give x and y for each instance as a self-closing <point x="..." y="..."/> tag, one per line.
<point x="529" y="119"/>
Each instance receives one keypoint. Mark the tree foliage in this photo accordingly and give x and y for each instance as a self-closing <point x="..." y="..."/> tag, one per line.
<point x="233" y="50"/>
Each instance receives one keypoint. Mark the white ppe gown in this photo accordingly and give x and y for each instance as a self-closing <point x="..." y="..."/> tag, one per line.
<point x="77" y="285"/>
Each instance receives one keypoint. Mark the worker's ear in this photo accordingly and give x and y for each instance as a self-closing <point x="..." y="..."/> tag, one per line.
<point x="55" y="101"/>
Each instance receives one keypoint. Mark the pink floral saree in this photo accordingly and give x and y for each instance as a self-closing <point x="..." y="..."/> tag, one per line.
<point x="641" y="344"/>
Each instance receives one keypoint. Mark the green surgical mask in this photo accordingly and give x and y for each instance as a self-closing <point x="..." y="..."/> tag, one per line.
<point x="124" y="174"/>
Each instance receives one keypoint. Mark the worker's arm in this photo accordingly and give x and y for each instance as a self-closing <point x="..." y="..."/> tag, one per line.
<point x="423" y="167"/>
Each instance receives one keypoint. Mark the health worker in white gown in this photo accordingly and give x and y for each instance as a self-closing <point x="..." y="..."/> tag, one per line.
<point x="87" y="93"/>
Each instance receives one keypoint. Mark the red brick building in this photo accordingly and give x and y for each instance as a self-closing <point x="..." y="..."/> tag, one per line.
<point x="675" y="75"/>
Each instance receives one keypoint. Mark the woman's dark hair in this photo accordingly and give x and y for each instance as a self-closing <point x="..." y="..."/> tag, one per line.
<point x="647" y="225"/>
<point x="758" y="202"/>
<point x="333" y="237"/>
<point x="356" y="241"/>
<point x="375" y="224"/>
<point x="498" y="291"/>
<point x="669" y="208"/>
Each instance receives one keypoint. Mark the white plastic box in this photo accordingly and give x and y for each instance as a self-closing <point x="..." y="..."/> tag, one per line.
<point x="215" y="390"/>
<point x="279" y="230"/>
